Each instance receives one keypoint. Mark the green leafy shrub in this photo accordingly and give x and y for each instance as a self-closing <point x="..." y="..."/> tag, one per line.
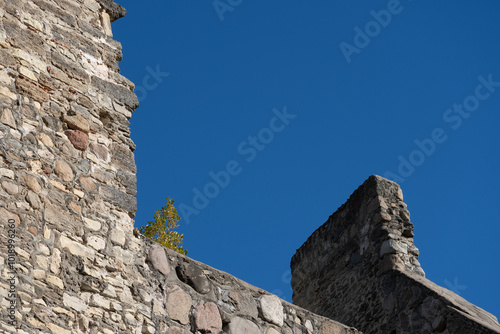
<point x="162" y="229"/>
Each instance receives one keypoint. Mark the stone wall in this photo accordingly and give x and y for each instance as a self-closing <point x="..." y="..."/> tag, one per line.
<point x="70" y="261"/>
<point x="361" y="268"/>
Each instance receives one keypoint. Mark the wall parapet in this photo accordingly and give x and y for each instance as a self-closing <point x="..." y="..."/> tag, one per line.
<point x="70" y="259"/>
<point x="361" y="268"/>
<point x="114" y="10"/>
<point x="67" y="190"/>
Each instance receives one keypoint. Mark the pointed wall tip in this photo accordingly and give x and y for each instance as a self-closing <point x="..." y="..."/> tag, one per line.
<point x="380" y="178"/>
<point x="362" y="265"/>
<point x="387" y="182"/>
<point x="376" y="186"/>
<point x="114" y="10"/>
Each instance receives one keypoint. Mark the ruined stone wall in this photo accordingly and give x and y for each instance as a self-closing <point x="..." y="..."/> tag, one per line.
<point x="69" y="259"/>
<point x="361" y="268"/>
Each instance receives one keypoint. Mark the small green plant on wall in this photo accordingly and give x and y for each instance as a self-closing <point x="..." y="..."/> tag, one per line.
<point x="162" y="229"/>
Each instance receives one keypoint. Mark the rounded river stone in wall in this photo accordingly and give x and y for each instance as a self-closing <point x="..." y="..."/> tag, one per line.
<point x="194" y="277"/>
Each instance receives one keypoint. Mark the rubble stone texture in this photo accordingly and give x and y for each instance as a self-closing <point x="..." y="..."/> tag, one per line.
<point x="361" y="268"/>
<point x="68" y="185"/>
<point x="68" y="182"/>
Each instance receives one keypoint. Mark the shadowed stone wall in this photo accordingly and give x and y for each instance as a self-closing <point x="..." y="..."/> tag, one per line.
<point x="361" y="268"/>
<point x="70" y="262"/>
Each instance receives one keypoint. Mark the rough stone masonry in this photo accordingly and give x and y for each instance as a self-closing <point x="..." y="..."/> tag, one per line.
<point x="361" y="268"/>
<point x="71" y="261"/>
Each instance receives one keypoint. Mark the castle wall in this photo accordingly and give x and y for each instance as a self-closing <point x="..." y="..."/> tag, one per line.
<point x="70" y="262"/>
<point x="361" y="268"/>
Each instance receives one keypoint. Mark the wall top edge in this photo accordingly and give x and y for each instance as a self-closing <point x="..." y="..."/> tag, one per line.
<point x="114" y="10"/>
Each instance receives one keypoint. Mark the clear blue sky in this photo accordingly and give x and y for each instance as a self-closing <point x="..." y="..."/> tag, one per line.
<point x="356" y="103"/>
